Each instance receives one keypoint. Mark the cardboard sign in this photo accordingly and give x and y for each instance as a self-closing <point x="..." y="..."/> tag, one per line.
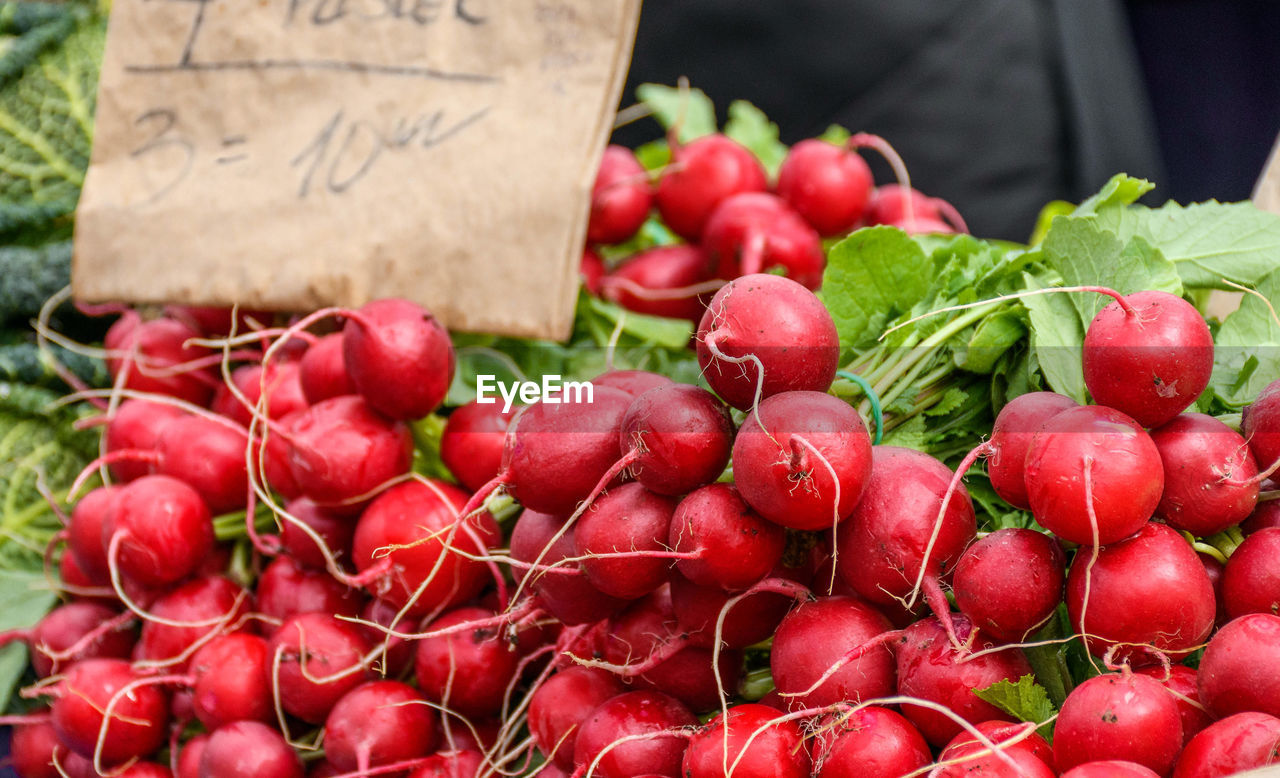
<point x="292" y="154"/>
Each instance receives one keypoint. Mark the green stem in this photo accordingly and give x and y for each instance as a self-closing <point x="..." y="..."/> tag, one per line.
<point x="926" y="348"/>
<point x="1208" y="550"/>
<point x="756" y="684"/>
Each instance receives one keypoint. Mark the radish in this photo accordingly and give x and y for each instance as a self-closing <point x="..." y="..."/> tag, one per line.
<point x="410" y="547"/>
<point x="277" y="471"/>
<point x="894" y="542"/>
<point x="872" y="742"/>
<point x="1110" y="768"/>
<point x="802" y="460"/>
<point x="451" y="764"/>
<point x="217" y="322"/>
<point x="334" y="530"/>
<point x="629" y="523"/>
<point x="32" y="749"/>
<point x="1149" y="356"/>
<point x="826" y="184"/>
<point x="285" y="589"/>
<point x="754" y="232"/>
<point x="701" y="175"/>
<point x="84" y="530"/>
<point x="633" y="382"/>
<point x="620" y="197"/>
<point x="591" y="271"/>
<point x="670" y="281"/>
<point x="751" y="743"/>
<point x="730" y="546"/>
<point x="188" y="615"/>
<point x="974" y="758"/>
<point x="750" y="621"/>
<point x="1010" y="582"/>
<point x="159" y="532"/>
<point x="232" y="676"/>
<point x="1235" y="744"/>
<point x="1181" y="683"/>
<point x="1267" y="514"/>
<point x="379" y="723"/>
<point x="471" y="446"/>
<point x="283" y="391"/>
<point x="1260" y="424"/>
<point x="135" y="724"/>
<point x="190" y="755"/>
<point x="1251" y="580"/>
<point x="570" y="598"/>
<point x="888" y="205"/>
<point x="1209" y="474"/>
<point x="817" y="635"/>
<point x="394" y="654"/>
<point x="136" y="426"/>
<point x="158" y="360"/>
<point x="1235" y="674"/>
<point x="332" y="653"/>
<point x="765" y="334"/>
<point x="1097" y="451"/>
<point x="1015" y="425"/>
<point x="558" y="707"/>
<point x="72" y="632"/>
<point x="643" y="713"/>
<point x="399" y="357"/>
<point x="322" y="371"/>
<point x="468" y="671"/>
<point x="929" y="668"/>
<point x="1015" y="735"/>
<point x="1147" y="590"/>
<point x="207" y="456"/>
<point x="1118" y="716"/>
<point x="340" y="451"/>
<point x="676" y="438"/>
<point x="245" y="748"/>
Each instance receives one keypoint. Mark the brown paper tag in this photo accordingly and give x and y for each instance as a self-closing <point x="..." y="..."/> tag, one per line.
<point x="1266" y="194"/>
<point x="292" y="154"/>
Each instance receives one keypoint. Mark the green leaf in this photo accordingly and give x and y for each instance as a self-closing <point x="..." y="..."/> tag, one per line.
<point x="910" y="434"/>
<point x="25" y="598"/>
<point x="993" y="336"/>
<point x="667" y="333"/>
<point x="1121" y="190"/>
<point x="427" y="433"/>
<point x="1045" y="218"/>
<point x="1056" y="339"/>
<point x="1246" y="354"/>
<point x="1025" y="700"/>
<point x="690" y="108"/>
<point x="654" y="154"/>
<point x="835" y="135"/>
<point x="873" y="276"/>
<point x="749" y="126"/>
<point x="1207" y="242"/>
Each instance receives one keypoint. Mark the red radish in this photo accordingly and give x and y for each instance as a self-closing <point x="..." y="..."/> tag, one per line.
<point x="1181" y="683"/>
<point x="634" y="713"/>
<point x="677" y="438"/>
<point x="751" y="620"/>
<point x="702" y="174"/>
<point x="690" y="676"/>
<point x="138" y="719"/>
<point x="999" y="732"/>
<point x="591" y="271"/>
<point x="626" y="522"/>
<point x="136" y="426"/>
<point x="888" y="205"/>
<point x="1015" y="425"/>
<point x="75" y="625"/>
<point x="232" y="681"/>
<point x="620" y="197"/>
<point x="341" y="450"/>
<point x="1118" y="716"/>
<point x="336" y="532"/>
<point x="75" y="580"/>
<point x="209" y="457"/>
<point x="1208" y="475"/>
<point x="633" y="382"/>
<point x="826" y="184"/>
<point x="919" y="226"/>
<point x="284" y="392"/>
<point x="1236" y="673"/>
<point x="872" y="742"/>
<point x="1260" y="424"/>
<point x="931" y="669"/>
<point x="211" y="604"/>
<point x="802" y="460"/>
<point x="144" y="770"/>
<point x="322" y="372"/>
<point x="399" y="652"/>
<point x="1232" y="745"/>
<point x="468" y="671"/>
<point x="190" y="755"/>
<point x="162" y="529"/>
<point x="217" y="321"/>
<point x="411" y="540"/>
<point x="452" y="764"/>
<point x="754" y="232"/>
<point x="884" y="544"/>
<point x="245" y="748"/>
<point x="379" y="723"/>
<point x="559" y="706"/>
<point x="399" y="357"/>
<point x="751" y="743"/>
<point x="976" y="759"/>
<point x="285" y="588"/>
<point x="1267" y="514"/>
<point x="1149" y="358"/>
<point x="157" y="358"/>
<point x="735" y="547"/>
<point x="570" y="598"/>
<point x="32" y="748"/>
<point x="332" y="652"/>
<point x="1098" y="450"/>
<point x="770" y="325"/>
<point x="1149" y="589"/>
<point x="84" y="531"/>
<point x="276" y="471"/>
<point x="1110" y="768"/>
<point x="1010" y="582"/>
<point x="1214" y="569"/>
<point x="665" y="281"/>
<point x="815" y="636"/>
<point x="471" y="445"/>
<point x="1251" y="580"/>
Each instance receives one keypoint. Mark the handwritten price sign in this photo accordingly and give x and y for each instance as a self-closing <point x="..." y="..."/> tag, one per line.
<point x="297" y="153"/>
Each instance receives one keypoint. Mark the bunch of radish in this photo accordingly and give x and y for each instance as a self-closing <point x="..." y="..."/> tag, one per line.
<point x="702" y="582"/>
<point x="715" y="197"/>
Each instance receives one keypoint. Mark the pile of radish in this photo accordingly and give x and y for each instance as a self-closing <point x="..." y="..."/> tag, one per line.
<point x="665" y="580"/>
